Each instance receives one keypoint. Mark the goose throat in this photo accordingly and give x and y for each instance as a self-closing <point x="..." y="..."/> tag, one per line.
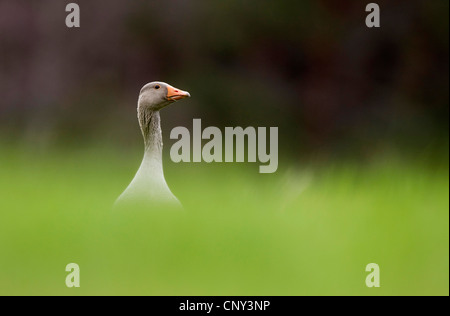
<point x="150" y="123"/>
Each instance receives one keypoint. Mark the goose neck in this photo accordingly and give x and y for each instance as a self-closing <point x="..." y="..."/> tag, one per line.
<point x="150" y="123"/>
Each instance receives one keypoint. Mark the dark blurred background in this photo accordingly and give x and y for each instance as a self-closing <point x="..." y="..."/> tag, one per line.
<point x="332" y="86"/>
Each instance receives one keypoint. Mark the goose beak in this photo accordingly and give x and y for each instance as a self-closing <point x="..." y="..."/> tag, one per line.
<point x="174" y="94"/>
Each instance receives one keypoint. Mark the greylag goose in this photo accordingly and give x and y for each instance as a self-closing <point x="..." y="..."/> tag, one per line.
<point x="149" y="187"/>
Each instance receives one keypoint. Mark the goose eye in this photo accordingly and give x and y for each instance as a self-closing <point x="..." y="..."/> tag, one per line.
<point x="157" y="87"/>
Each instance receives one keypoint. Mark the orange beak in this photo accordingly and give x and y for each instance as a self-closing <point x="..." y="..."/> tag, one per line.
<point x="174" y="94"/>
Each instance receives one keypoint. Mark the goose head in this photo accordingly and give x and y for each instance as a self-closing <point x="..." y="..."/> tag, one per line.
<point x="156" y="95"/>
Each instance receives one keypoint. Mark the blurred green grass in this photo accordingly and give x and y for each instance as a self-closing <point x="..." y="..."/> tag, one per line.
<point x="306" y="230"/>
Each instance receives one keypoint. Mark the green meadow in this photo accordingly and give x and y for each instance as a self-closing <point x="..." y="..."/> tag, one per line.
<point x="309" y="229"/>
